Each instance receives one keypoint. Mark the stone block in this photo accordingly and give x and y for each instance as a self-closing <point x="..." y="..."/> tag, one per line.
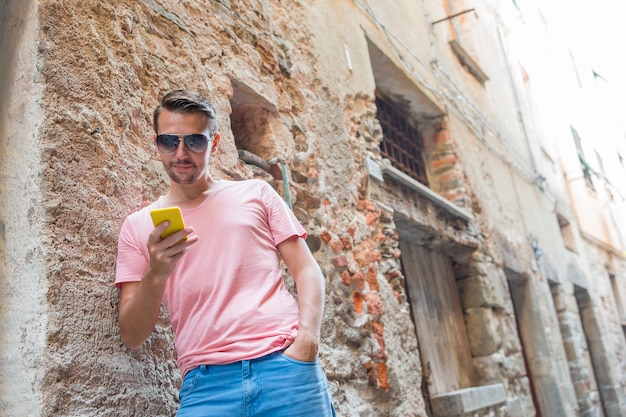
<point x="550" y="395"/>
<point x="581" y="388"/>
<point x="521" y="404"/>
<point x="482" y="331"/>
<point x="572" y="349"/>
<point x="498" y="286"/>
<point x="570" y="324"/>
<point x="579" y="373"/>
<point x="481" y="291"/>
<point x="513" y="366"/>
<point x="488" y="369"/>
<point x="467" y="400"/>
<point x="560" y="301"/>
<point x="508" y="332"/>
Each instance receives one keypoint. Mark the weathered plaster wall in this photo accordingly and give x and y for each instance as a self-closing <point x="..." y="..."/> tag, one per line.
<point x="23" y="282"/>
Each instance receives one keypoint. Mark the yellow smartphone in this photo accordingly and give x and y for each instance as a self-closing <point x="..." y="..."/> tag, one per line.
<point x="172" y="215"/>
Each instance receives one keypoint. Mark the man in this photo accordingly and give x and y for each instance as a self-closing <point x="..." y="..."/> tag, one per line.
<point x="245" y="348"/>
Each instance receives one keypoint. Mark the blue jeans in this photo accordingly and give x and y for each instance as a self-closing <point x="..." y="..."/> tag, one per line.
<point x="274" y="385"/>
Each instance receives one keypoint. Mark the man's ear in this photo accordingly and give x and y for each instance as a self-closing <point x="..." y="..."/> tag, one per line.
<point x="156" y="150"/>
<point x="216" y="141"/>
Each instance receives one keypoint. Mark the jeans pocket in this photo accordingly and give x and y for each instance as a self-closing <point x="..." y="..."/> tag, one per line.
<point x="189" y="383"/>
<point x="296" y="361"/>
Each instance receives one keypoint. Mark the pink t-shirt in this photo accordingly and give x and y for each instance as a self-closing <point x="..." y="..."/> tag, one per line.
<point x="226" y="297"/>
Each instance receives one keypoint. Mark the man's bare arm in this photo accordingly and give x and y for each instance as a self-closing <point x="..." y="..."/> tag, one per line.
<point x="140" y="302"/>
<point x="310" y="285"/>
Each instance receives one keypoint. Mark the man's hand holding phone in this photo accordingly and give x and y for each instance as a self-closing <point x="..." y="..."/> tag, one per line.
<point x="168" y="241"/>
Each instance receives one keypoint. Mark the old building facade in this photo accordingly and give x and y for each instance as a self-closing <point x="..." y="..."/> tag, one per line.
<point x="471" y="235"/>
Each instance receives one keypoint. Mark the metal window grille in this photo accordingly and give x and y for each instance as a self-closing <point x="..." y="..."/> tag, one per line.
<point x="402" y="143"/>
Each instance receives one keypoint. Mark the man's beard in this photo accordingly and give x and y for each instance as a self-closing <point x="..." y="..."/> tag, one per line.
<point x="184" y="179"/>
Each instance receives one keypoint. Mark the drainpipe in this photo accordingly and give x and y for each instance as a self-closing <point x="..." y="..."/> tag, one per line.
<point x="271" y="167"/>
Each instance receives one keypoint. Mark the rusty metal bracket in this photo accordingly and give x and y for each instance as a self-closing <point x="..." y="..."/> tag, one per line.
<point x="454" y="15"/>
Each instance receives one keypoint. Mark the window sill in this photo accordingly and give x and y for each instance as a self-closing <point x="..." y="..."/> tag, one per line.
<point x="467" y="400"/>
<point x="424" y="191"/>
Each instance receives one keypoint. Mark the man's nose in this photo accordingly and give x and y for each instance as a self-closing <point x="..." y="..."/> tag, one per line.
<point x="181" y="150"/>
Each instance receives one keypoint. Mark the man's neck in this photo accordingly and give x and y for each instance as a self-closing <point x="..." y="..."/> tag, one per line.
<point x="188" y="195"/>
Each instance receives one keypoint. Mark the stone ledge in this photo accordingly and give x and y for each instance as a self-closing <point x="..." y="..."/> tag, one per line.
<point x="424" y="191"/>
<point x="467" y="400"/>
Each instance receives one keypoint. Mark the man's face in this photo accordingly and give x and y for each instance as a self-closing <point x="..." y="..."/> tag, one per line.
<point x="184" y="166"/>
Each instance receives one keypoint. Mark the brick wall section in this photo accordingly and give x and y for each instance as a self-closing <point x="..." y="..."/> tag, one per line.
<point x="363" y="251"/>
<point x="366" y="264"/>
<point x="359" y="266"/>
<point x="445" y="168"/>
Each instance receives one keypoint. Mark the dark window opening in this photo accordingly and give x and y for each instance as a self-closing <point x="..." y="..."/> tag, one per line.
<point x="402" y="142"/>
<point x="251" y="121"/>
<point x="584" y="165"/>
<point x="566" y="232"/>
<point x="621" y="311"/>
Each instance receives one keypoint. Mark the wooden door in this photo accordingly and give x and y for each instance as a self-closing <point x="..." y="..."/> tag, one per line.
<point x="438" y="318"/>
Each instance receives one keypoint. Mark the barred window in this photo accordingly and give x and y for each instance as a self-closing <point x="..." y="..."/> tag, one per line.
<point x="402" y="142"/>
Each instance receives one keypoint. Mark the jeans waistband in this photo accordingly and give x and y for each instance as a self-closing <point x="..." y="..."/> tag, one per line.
<point x="259" y="359"/>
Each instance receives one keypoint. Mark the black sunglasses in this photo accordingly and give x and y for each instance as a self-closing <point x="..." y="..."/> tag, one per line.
<point x="195" y="142"/>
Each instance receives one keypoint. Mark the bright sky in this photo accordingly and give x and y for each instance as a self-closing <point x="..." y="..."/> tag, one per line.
<point x="594" y="33"/>
<point x="595" y="28"/>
